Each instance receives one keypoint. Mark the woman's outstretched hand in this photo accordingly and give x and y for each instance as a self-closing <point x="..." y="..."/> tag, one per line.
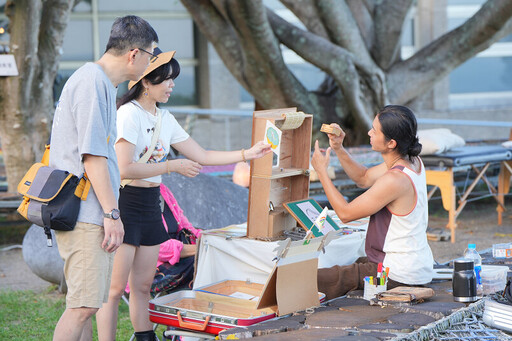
<point x="336" y="141"/>
<point x="320" y="161"/>
<point x="258" y="150"/>
<point x="186" y="167"/>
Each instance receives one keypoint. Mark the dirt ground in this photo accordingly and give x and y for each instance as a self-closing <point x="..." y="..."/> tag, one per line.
<point x="15" y="273"/>
<point x="476" y="224"/>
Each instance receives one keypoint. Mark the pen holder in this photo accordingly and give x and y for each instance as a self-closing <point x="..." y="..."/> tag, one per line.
<point x="371" y="290"/>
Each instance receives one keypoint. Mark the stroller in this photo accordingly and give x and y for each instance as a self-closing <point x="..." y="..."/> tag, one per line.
<point x="174" y="273"/>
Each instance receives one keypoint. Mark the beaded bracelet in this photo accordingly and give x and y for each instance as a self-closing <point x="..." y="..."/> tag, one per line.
<point x="243" y="155"/>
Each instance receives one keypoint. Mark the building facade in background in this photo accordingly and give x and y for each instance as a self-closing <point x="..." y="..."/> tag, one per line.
<point x="482" y="83"/>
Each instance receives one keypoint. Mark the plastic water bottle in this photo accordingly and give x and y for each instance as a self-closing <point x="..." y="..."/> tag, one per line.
<point x="471" y="253"/>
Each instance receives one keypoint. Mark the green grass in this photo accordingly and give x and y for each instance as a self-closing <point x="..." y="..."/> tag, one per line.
<point x="25" y="315"/>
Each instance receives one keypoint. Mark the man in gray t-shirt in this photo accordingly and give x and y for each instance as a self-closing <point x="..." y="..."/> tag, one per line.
<point x="82" y="141"/>
<point x="85" y="124"/>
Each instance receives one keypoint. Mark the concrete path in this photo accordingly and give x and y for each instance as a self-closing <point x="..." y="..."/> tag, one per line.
<point x="15" y="273"/>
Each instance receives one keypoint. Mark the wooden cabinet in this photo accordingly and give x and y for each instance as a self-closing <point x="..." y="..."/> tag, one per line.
<point x="270" y="186"/>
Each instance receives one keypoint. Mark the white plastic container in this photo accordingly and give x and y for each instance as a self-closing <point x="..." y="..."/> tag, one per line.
<point x="498" y="315"/>
<point x="494" y="278"/>
<point x="371" y="290"/>
<point x="503" y="250"/>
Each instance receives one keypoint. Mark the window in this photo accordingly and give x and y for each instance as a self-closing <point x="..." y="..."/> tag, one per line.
<point x="482" y="75"/>
<point x="88" y="30"/>
<point x="78" y="44"/>
<point x="480" y="81"/>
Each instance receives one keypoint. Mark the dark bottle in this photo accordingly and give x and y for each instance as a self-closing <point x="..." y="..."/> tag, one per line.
<point x="464" y="280"/>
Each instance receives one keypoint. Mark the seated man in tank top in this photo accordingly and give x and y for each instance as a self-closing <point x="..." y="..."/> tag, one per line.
<point x="395" y="200"/>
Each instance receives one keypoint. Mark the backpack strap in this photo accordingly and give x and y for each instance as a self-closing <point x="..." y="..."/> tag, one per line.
<point x="154" y="140"/>
<point x="83" y="187"/>
<point x="45" y="160"/>
<point x="82" y="190"/>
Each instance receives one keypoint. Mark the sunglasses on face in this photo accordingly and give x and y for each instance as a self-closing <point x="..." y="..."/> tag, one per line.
<point x="153" y="56"/>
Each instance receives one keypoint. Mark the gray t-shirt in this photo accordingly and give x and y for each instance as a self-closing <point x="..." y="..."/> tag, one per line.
<point x="85" y="123"/>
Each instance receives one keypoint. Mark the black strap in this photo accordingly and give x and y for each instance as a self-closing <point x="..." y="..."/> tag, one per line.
<point x="508" y="292"/>
<point x="170" y="220"/>
<point x="48" y="233"/>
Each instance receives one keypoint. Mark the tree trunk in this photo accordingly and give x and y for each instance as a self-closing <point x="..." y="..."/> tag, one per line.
<point x="356" y="43"/>
<point x="36" y="31"/>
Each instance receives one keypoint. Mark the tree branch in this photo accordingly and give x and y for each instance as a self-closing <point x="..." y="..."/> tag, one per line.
<point x="389" y="19"/>
<point x="343" y="31"/>
<point x="340" y="24"/>
<point x="307" y="13"/>
<point x="334" y="60"/>
<point x="51" y="36"/>
<point x="369" y="4"/>
<point x="219" y="32"/>
<point x="414" y="76"/>
<point x="364" y="20"/>
<point x="269" y="79"/>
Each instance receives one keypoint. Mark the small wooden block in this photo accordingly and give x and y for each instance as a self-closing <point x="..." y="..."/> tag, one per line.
<point x="326" y="128"/>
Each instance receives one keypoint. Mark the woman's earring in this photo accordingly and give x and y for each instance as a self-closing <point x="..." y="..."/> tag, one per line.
<point x="146" y="91"/>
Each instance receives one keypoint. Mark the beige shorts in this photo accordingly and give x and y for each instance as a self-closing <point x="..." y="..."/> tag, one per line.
<point x="87" y="267"/>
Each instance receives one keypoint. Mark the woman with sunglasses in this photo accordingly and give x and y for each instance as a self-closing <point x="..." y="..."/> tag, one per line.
<point x="139" y="201"/>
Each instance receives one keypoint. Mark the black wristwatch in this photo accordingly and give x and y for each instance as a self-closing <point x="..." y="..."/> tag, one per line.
<point x="114" y="214"/>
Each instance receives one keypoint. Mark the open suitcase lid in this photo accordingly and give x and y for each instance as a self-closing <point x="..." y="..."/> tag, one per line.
<point x="292" y="284"/>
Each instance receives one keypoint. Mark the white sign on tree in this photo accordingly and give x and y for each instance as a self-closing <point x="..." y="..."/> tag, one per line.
<point x="8" y="65"/>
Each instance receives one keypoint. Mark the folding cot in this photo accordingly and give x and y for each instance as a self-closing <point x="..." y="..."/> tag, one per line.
<point x="441" y="168"/>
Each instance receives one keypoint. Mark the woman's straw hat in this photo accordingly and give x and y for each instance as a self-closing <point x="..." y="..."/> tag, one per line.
<point x="163" y="58"/>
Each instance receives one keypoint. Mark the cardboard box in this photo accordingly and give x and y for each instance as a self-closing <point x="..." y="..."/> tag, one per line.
<point x="292" y="284"/>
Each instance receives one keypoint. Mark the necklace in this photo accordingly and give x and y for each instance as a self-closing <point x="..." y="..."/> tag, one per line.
<point x="140" y="106"/>
<point x="395" y="161"/>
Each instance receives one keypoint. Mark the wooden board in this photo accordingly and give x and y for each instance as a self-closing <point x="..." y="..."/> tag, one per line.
<point x="326" y="128"/>
<point x="305" y="218"/>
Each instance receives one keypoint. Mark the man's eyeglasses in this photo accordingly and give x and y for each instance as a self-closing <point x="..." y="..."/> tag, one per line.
<point x="153" y="58"/>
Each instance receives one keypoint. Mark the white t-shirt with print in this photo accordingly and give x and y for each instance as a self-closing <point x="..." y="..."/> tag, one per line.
<point x="136" y="125"/>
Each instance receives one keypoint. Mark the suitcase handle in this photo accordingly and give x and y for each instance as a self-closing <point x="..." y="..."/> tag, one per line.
<point x="192" y="325"/>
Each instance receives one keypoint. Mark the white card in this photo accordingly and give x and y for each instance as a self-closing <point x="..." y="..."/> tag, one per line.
<point x="273" y="137"/>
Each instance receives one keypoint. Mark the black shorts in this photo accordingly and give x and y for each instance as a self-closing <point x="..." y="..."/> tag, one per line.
<point x="142" y="216"/>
